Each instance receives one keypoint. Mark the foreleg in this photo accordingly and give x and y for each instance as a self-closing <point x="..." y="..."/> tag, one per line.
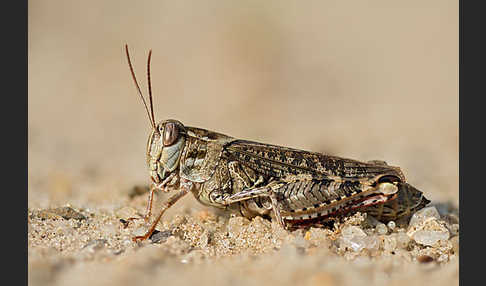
<point x="186" y="187"/>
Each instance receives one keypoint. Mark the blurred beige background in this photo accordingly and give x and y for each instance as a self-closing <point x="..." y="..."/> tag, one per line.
<point x="359" y="79"/>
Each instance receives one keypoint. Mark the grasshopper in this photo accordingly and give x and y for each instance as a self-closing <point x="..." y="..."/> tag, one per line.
<point x="295" y="187"/>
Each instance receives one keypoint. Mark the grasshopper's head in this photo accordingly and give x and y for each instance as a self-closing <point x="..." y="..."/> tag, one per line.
<point x="164" y="149"/>
<point x="166" y="141"/>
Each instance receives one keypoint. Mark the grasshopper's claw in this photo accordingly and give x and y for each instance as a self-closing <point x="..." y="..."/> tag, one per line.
<point x="140" y="238"/>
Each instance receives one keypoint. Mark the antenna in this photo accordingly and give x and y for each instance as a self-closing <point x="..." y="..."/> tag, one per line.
<point x="150" y="87"/>
<point x="151" y="118"/>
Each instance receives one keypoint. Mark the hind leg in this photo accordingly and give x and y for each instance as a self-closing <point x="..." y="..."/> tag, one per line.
<point x="248" y="194"/>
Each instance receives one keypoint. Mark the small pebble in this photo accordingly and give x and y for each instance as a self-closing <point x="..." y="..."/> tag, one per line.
<point x="381" y="228"/>
<point x="64" y="212"/>
<point x="160" y="236"/>
<point x="423" y="216"/>
<point x="402" y="240"/>
<point x="352" y="230"/>
<point x="426" y="228"/>
<point x="353" y="237"/>
<point x="94" y="245"/>
<point x="425" y="259"/>
<point x="389" y="243"/>
<point x="430" y="237"/>
<point x="371" y="242"/>
<point x="356" y="243"/>
<point x="453" y="229"/>
<point x="455" y="244"/>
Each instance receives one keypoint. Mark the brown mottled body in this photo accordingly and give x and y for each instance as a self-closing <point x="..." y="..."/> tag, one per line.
<point x="297" y="187"/>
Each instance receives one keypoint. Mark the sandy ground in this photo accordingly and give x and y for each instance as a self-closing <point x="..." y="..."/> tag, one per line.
<point x="364" y="81"/>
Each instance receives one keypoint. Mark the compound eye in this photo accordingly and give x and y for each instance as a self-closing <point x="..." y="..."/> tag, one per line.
<point x="171" y="133"/>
